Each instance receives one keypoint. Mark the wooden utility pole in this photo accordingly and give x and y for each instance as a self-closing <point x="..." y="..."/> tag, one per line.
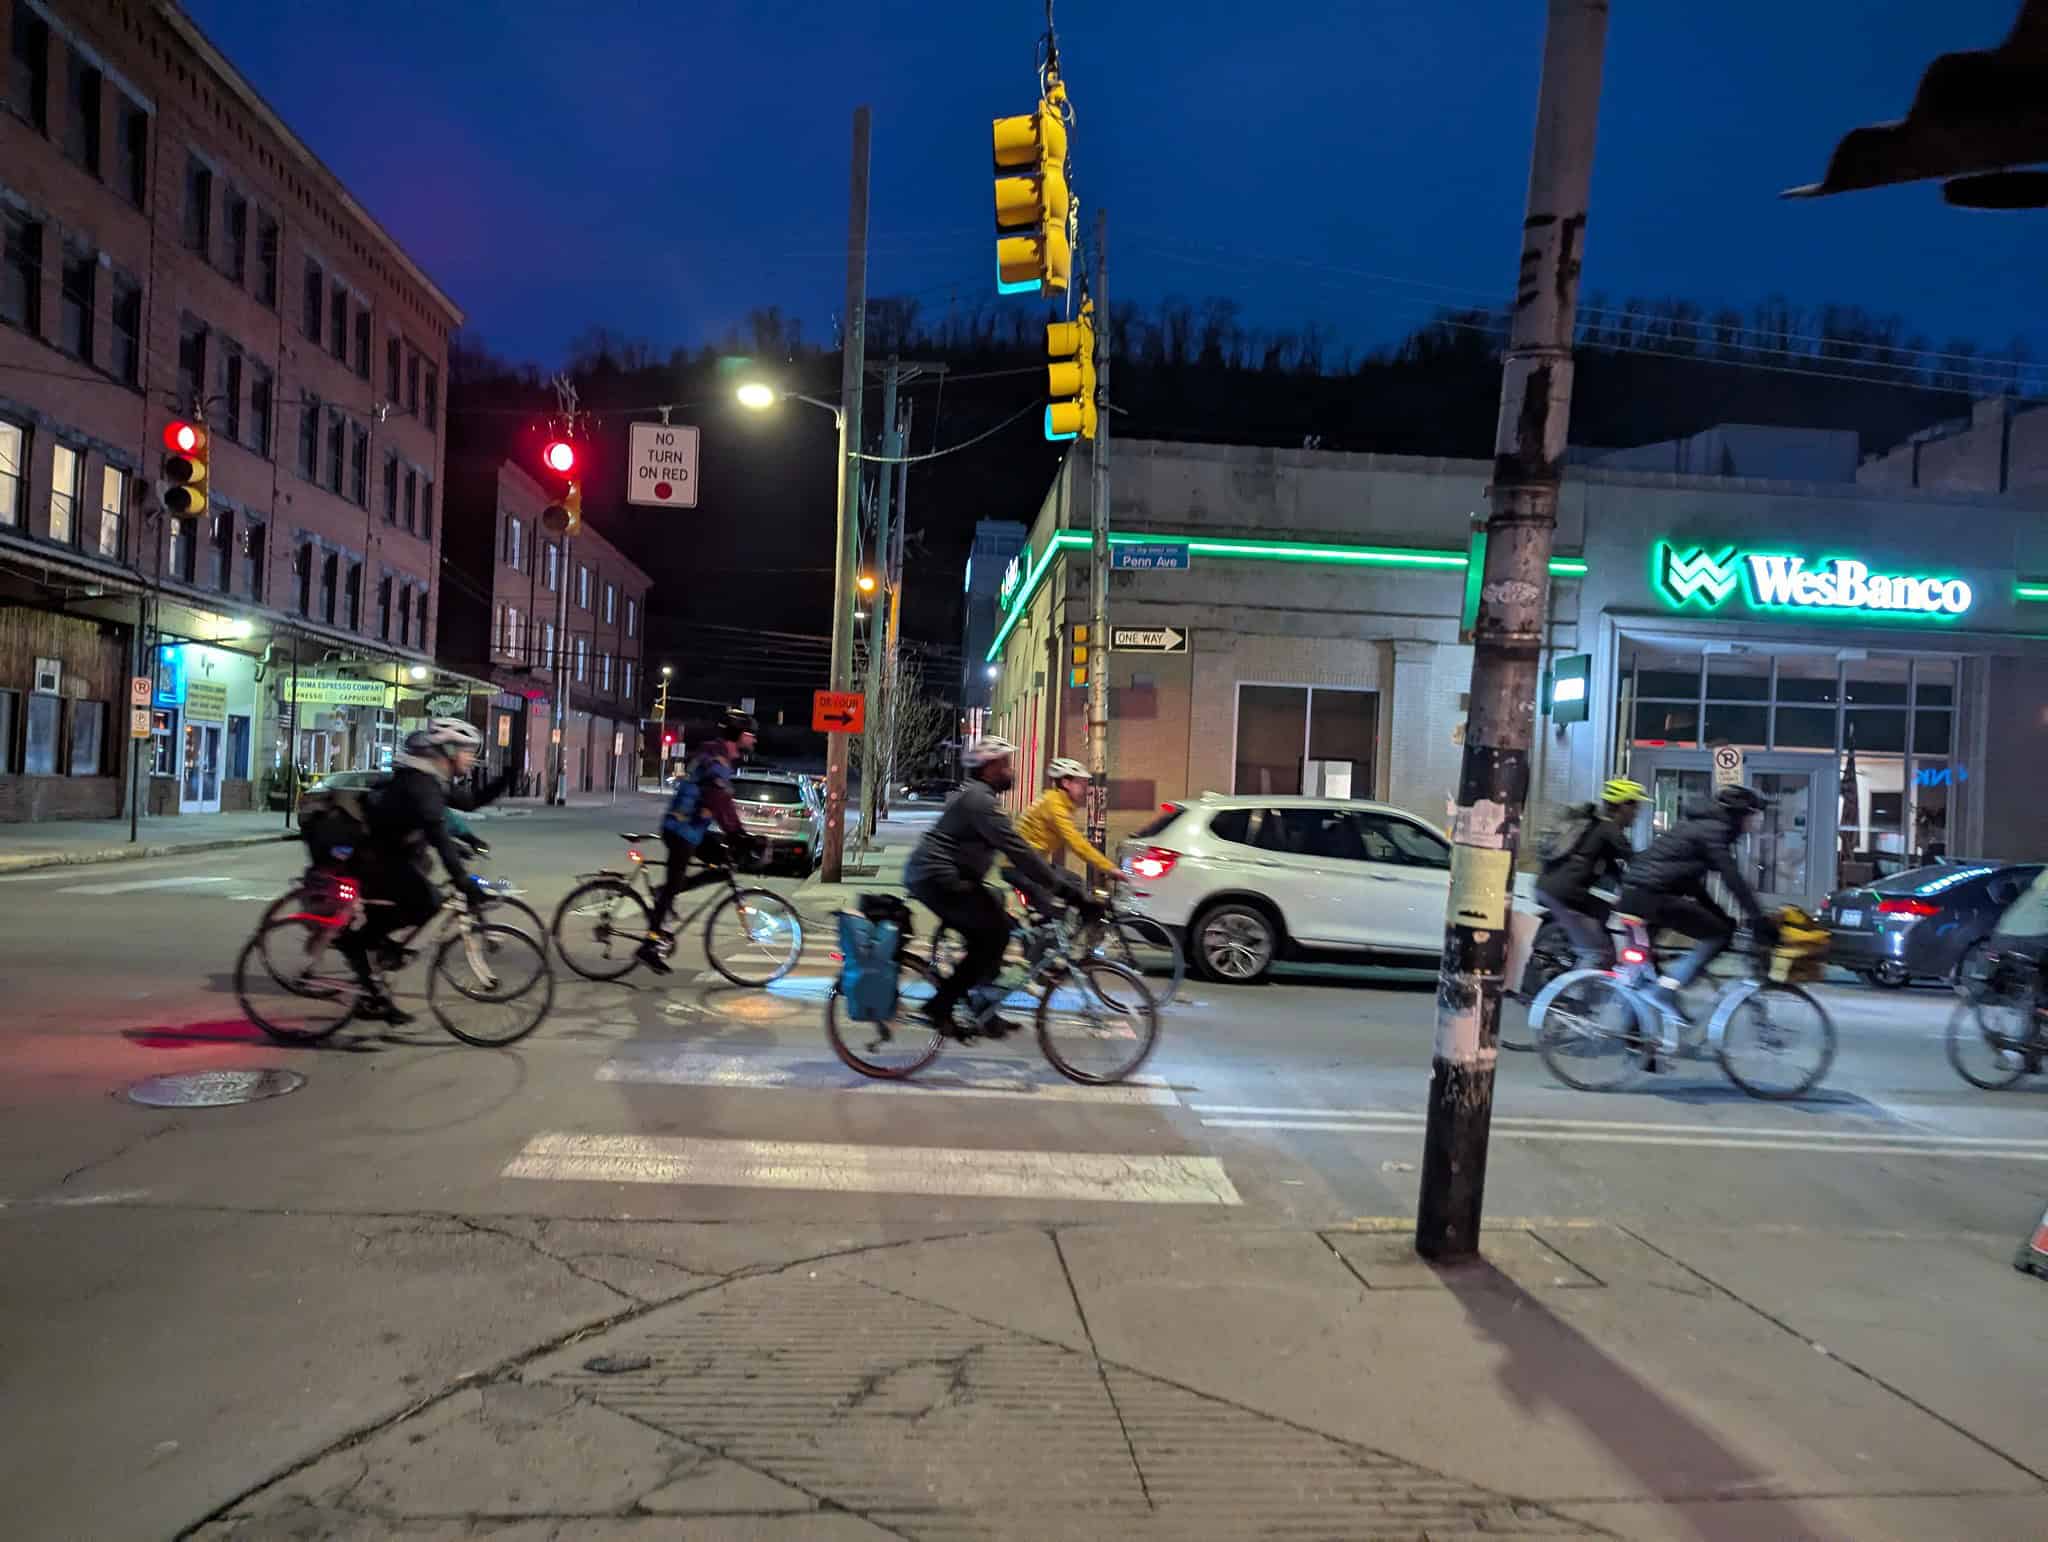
<point x="1098" y="557"/>
<point x="1514" y="595"/>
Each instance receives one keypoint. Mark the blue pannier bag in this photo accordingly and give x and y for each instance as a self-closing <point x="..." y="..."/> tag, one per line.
<point x="867" y="978"/>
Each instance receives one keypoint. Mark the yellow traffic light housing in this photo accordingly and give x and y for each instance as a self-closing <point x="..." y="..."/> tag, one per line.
<point x="1077" y="659"/>
<point x="1033" y="198"/>
<point x="182" y="490"/>
<point x="1070" y="376"/>
<point x="573" y="505"/>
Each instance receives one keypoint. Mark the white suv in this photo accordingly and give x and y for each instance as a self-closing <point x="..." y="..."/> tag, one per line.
<point x="1246" y="880"/>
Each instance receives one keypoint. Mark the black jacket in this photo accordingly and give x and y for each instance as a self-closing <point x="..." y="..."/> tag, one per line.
<point x="964" y="844"/>
<point x="1679" y="860"/>
<point x="408" y="817"/>
<point x="1597" y="857"/>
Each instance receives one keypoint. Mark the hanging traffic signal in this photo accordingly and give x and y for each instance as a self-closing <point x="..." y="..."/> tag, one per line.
<point x="565" y="515"/>
<point x="1070" y="376"/>
<point x="1034" y="200"/>
<point x="182" y="490"/>
<point x="559" y="457"/>
<point x="1077" y="659"/>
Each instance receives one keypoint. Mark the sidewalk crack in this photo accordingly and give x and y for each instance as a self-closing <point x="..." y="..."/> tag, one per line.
<point x="121" y="1150"/>
<point x="1095" y="1354"/>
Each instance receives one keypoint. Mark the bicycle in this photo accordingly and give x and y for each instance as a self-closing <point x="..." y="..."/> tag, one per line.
<point x="614" y="911"/>
<point x="1608" y="1012"/>
<point x="1095" y="1000"/>
<point x="1126" y="936"/>
<point x="305" y="990"/>
<point x="2001" y="1019"/>
<point x="315" y="888"/>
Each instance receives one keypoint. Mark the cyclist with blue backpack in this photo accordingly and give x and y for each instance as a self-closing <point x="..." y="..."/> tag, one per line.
<point x="702" y="825"/>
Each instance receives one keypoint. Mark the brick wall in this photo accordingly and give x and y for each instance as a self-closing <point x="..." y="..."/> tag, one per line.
<point x="27" y="799"/>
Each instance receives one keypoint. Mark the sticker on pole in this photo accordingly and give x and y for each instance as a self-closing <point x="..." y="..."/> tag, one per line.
<point x="1727" y="766"/>
<point x="661" y="465"/>
<point x="838" y="712"/>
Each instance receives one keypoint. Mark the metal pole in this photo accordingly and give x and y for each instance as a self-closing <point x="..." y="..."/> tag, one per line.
<point x="852" y="363"/>
<point x="1493" y="784"/>
<point x="291" y="762"/>
<point x="893" y="583"/>
<point x="878" y="604"/>
<point x="1098" y="558"/>
<point x="558" y="717"/>
<point x="149" y="708"/>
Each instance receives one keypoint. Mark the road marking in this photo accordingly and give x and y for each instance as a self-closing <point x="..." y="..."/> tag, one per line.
<point x="135" y="886"/>
<point x="950" y="1171"/>
<point x="820" y="1073"/>
<point x="1518" y="1121"/>
<point x="1676" y="1136"/>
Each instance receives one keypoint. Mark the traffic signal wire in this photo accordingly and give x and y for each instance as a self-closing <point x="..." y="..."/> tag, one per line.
<point x="953" y="449"/>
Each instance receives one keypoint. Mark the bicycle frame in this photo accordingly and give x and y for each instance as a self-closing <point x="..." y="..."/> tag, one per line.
<point x="351" y="908"/>
<point x="641" y="882"/>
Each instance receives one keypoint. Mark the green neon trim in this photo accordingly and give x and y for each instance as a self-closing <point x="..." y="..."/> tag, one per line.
<point x="1250" y="550"/>
<point x="2030" y="591"/>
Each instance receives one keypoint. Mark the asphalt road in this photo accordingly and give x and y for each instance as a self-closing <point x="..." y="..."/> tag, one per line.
<point x="1299" y="1102"/>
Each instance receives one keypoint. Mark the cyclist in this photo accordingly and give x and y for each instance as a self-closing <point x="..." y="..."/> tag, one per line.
<point x="946" y="870"/>
<point x="703" y="822"/>
<point x="1592" y="849"/>
<point x="408" y="818"/>
<point x="1666" y="885"/>
<point x="1048" y="826"/>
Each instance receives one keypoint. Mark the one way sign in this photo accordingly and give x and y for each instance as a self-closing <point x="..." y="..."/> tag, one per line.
<point x="1147" y="639"/>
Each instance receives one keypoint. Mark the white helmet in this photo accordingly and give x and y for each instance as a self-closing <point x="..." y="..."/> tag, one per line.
<point x="1063" y="768"/>
<point x="448" y="734"/>
<point x="985" y="749"/>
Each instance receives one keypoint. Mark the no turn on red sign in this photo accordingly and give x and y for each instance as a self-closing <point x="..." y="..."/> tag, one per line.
<point x="661" y="465"/>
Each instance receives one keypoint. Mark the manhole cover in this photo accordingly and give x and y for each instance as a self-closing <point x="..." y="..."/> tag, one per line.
<point x="213" y="1089"/>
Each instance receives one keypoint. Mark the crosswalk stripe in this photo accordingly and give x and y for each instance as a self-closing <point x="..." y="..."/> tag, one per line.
<point x="1520" y="1121"/>
<point x="816" y="1073"/>
<point x="136" y="885"/>
<point x="947" y="1171"/>
<point x="1701" y="1137"/>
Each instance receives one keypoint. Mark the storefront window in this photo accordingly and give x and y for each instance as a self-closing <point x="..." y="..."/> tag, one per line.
<point x="1668" y="723"/>
<point x="1738" y="676"/>
<point x="1749" y="726"/>
<point x="1810" y="677"/>
<point x="1294" y="739"/>
<point x="1269" y="736"/>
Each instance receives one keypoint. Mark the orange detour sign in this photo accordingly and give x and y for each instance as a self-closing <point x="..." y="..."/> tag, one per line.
<point x="838" y="712"/>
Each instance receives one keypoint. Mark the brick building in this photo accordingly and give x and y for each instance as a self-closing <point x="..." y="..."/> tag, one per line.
<point x="173" y="251"/>
<point x="526" y="610"/>
<point x="2001" y="447"/>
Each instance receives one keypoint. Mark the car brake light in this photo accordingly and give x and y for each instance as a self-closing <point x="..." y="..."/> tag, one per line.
<point x="1634" y="956"/>
<point x="1169" y="808"/>
<point x="1907" y="907"/>
<point x="1154" y="862"/>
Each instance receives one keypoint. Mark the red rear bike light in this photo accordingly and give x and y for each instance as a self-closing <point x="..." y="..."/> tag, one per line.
<point x="633" y="854"/>
<point x="345" y="890"/>
<point x="1907" y="907"/>
<point x="838" y="957"/>
<point x="1634" y="956"/>
<point x="1154" y="862"/>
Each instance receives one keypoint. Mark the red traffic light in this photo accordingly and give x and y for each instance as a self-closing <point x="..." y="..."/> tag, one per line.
<point x="668" y="739"/>
<point x="559" y="456"/>
<point x="184" y="438"/>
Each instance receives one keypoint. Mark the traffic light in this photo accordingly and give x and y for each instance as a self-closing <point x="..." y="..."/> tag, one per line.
<point x="182" y="491"/>
<point x="1077" y="659"/>
<point x="1070" y="374"/>
<point x="559" y="457"/>
<point x="565" y="515"/>
<point x="1032" y="197"/>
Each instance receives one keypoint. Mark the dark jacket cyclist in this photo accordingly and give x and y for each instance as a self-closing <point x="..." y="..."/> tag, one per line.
<point x="1596" y="852"/>
<point x="702" y="824"/>
<point x="1667" y="884"/>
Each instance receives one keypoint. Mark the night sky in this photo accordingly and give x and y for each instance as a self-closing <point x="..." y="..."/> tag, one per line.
<point x="554" y="166"/>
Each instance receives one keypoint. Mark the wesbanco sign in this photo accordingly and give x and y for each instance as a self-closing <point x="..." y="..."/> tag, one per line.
<point x="1839" y="586"/>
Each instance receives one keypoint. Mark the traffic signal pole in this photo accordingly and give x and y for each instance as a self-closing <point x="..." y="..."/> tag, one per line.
<point x="852" y="364"/>
<point x="1493" y="783"/>
<point x="1098" y="558"/>
<point x="878" y="602"/>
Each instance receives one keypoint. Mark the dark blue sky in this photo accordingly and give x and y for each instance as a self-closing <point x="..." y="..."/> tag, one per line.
<point x="554" y="166"/>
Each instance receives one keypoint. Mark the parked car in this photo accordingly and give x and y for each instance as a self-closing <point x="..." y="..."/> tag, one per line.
<point x="1245" y="881"/>
<point x="781" y="808"/>
<point x="336" y="780"/>
<point x="936" y="790"/>
<point x="1923" y="924"/>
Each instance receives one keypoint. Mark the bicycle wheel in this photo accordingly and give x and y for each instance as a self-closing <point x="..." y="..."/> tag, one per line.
<point x="898" y="1048"/>
<point x="1775" y="1042"/>
<point x="1590" y="1030"/>
<point x="1985" y="1037"/>
<point x="1097" y="1024"/>
<point x="1148" y="949"/>
<point x="753" y="937"/>
<point x="501" y="983"/>
<point x="295" y="1005"/>
<point x="599" y="927"/>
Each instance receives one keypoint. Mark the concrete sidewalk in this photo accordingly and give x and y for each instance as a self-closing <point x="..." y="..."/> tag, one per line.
<point x="1197" y="1379"/>
<point x="58" y="842"/>
<point x="878" y="869"/>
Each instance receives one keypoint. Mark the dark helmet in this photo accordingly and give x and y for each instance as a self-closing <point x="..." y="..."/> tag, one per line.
<point x="732" y="724"/>
<point x="1738" y="800"/>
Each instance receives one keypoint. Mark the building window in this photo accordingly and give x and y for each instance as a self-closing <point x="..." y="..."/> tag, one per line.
<point x="184" y="549"/>
<point x="336" y="443"/>
<point x="611" y="603"/>
<point x="261" y="391"/>
<point x="515" y="534"/>
<point x="384" y="607"/>
<point x="67" y="468"/>
<point x="191" y="364"/>
<point x="330" y="572"/>
<point x="88" y="734"/>
<point x="337" y="330"/>
<point x="240" y="742"/>
<point x="21" y="263"/>
<point x="512" y="637"/>
<point x="547" y="644"/>
<point x="316" y="294"/>
<point x="501" y="633"/>
<point x="391" y="369"/>
<point x="13" y="471"/>
<point x="266" y="260"/>
<point x="131" y="150"/>
<point x="198" y="227"/>
<point x="231" y="391"/>
<point x="363" y="343"/>
<point x="421" y="629"/>
<point x="223" y="546"/>
<point x="405" y="615"/>
<point x="302" y="571"/>
<point x="28" y="68"/>
<point x="412" y="499"/>
<point x="553" y="565"/>
<point x="632" y="616"/>
<point x="412" y="384"/>
<point x="391" y="487"/>
<point x="253" y="571"/>
<point x="352" y="598"/>
<point x="359" y="465"/>
<point x="39" y="745"/>
<point x="113" y="511"/>
<point x="626" y="681"/>
<point x="583" y="585"/>
<point x="82" y="126"/>
<point x="1301" y="739"/>
<point x="433" y="395"/>
<point x="426" y="510"/>
<point x="74" y="303"/>
<point x="235" y="217"/>
<point x="125" y="358"/>
<point x="604" y="673"/>
<point x="582" y="657"/>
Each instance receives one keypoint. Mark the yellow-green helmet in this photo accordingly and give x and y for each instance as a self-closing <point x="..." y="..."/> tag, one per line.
<point x="1622" y="790"/>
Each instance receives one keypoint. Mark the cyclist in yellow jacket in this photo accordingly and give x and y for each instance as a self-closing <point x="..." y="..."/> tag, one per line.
<point x="1049" y="827"/>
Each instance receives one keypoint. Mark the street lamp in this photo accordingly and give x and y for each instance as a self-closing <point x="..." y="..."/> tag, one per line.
<point x="419" y="671"/>
<point x="867" y="583"/>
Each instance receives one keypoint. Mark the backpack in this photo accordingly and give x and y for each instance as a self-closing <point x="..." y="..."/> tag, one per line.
<point x="1559" y="841"/>
<point x="871" y="943"/>
<point x="335" y="825"/>
<point x="686" y="819"/>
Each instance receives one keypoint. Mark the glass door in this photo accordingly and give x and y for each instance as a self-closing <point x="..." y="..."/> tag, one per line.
<point x="1780" y="860"/>
<point x="199" y="785"/>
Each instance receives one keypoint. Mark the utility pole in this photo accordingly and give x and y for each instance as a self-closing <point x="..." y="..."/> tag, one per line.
<point x="558" y="716"/>
<point x="893" y="584"/>
<point x="852" y="366"/>
<point x="1098" y="558"/>
<point x="1493" y="783"/>
<point x="878" y="600"/>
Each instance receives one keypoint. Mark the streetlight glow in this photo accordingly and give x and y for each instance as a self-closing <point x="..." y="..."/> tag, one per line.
<point x="867" y="583"/>
<point x="666" y="671"/>
<point x="419" y="671"/>
<point x="757" y="396"/>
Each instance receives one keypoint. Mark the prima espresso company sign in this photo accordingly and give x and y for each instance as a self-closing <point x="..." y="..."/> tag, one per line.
<point x="1710" y="579"/>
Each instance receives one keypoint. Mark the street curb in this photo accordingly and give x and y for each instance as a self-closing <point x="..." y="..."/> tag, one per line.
<point x="28" y="861"/>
